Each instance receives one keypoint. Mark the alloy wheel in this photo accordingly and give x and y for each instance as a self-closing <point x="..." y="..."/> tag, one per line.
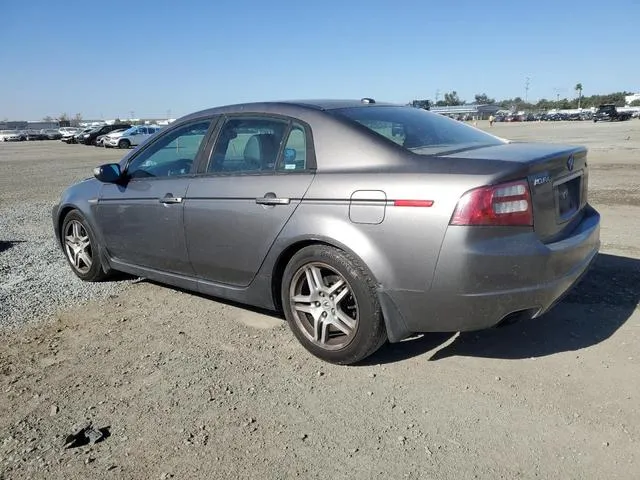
<point x="323" y="306"/>
<point x="78" y="246"/>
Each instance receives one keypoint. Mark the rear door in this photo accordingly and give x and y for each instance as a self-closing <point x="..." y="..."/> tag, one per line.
<point x="257" y="173"/>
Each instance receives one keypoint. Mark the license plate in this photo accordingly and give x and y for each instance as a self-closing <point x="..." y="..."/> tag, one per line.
<point x="568" y="197"/>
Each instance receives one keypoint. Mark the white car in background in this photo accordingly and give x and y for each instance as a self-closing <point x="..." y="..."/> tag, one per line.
<point x="68" y="133"/>
<point x="130" y="137"/>
<point x="12" y="136"/>
<point x="100" y="140"/>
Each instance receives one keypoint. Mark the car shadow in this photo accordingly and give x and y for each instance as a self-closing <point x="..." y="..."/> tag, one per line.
<point x="7" y="244"/>
<point x="231" y="303"/>
<point x="590" y="313"/>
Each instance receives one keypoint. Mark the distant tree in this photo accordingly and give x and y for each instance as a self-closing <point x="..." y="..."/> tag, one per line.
<point x="441" y="103"/>
<point x="47" y="119"/>
<point x="77" y="117"/>
<point x="483" y="99"/>
<point x="565" y="104"/>
<point x="63" y="120"/>
<point x="635" y="103"/>
<point x="452" y="99"/>
<point x="578" y="88"/>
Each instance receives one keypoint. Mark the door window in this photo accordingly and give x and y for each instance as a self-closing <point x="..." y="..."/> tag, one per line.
<point x="248" y="145"/>
<point x="172" y="154"/>
<point x="294" y="157"/>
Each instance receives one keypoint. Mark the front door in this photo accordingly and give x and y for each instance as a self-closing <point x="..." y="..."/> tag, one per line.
<point x="255" y="179"/>
<point x="142" y="218"/>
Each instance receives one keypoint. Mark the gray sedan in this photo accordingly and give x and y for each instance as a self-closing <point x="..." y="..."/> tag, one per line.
<point x="360" y="221"/>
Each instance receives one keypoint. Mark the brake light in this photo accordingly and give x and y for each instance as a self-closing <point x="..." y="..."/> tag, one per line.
<point x="507" y="204"/>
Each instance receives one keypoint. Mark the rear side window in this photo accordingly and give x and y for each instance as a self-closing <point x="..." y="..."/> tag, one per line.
<point x="248" y="145"/>
<point x="294" y="157"/>
<point x="418" y="130"/>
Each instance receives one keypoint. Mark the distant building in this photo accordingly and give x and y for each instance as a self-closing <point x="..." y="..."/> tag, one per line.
<point x="26" y="125"/>
<point x="631" y="98"/>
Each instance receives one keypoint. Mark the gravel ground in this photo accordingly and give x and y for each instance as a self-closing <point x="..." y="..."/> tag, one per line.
<point x="193" y="388"/>
<point x="36" y="280"/>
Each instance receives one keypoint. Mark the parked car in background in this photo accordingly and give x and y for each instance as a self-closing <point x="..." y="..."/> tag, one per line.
<point x="51" y="134"/>
<point x="72" y="137"/>
<point x="67" y="130"/>
<point x="100" y="140"/>
<point x="131" y="137"/>
<point x="34" y="135"/>
<point x="12" y="136"/>
<point x="90" y="137"/>
<point x="317" y="209"/>
<point x="609" y="113"/>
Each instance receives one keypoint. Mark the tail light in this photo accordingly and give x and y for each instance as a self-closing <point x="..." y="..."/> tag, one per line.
<point x="507" y="204"/>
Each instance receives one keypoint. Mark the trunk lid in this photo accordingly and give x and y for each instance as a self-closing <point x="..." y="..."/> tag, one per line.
<point x="557" y="177"/>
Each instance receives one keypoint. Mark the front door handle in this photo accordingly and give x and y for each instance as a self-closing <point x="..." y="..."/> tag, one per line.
<point x="168" y="199"/>
<point x="273" y="201"/>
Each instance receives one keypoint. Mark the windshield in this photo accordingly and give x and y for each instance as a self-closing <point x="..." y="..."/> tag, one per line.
<point x="418" y="130"/>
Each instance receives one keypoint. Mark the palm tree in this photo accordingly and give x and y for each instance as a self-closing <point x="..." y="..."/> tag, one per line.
<point x="578" y="88"/>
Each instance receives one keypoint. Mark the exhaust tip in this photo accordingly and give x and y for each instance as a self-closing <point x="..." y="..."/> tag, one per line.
<point x="518" y="315"/>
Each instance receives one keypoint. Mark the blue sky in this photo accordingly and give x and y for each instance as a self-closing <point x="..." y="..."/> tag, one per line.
<point x="109" y="58"/>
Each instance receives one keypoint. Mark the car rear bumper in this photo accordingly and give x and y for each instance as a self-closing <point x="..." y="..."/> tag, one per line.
<point x="481" y="281"/>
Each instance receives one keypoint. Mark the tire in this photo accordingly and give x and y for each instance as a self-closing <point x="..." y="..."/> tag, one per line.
<point x="124" y="143"/>
<point x="346" y="298"/>
<point x="81" y="248"/>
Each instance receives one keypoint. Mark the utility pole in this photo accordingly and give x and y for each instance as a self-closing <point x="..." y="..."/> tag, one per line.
<point x="437" y="95"/>
<point x="526" y="90"/>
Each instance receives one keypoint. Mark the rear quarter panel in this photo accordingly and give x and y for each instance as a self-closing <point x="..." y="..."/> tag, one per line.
<point x="402" y="250"/>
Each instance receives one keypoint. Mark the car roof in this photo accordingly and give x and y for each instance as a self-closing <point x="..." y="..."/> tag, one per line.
<point x="289" y="105"/>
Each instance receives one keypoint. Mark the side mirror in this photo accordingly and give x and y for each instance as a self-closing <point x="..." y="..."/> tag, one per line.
<point x="108" y="173"/>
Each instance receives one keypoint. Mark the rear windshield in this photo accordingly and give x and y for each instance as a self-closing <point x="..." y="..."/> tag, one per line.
<point x="418" y="130"/>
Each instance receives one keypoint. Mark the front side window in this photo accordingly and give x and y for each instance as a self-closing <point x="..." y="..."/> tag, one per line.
<point x="171" y="154"/>
<point x="418" y="130"/>
<point x="248" y="145"/>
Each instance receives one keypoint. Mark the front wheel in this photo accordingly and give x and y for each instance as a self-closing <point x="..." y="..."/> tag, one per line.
<point x="124" y="144"/>
<point x="329" y="300"/>
<point x="81" y="248"/>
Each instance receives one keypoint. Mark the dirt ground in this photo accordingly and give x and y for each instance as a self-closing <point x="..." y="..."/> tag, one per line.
<point x="193" y="388"/>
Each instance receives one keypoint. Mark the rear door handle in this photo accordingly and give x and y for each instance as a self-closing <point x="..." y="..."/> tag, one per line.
<point x="169" y="199"/>
<point x="273" y="201"/>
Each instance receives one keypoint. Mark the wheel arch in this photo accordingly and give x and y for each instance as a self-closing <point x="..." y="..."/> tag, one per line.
<point x="62" y="214"/>
<point x="285" y="256"/>
<point x="393" y="318"/>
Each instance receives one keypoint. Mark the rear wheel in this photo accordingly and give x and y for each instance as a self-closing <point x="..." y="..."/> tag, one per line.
<point x="124" y="143"/>
<point x="330" y="302"/>
<point x="81" y="248"/>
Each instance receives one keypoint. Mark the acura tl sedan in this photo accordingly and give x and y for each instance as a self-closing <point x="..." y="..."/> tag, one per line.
<point x="360" y="221"/>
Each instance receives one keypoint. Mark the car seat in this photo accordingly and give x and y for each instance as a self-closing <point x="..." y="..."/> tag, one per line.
<point x="261" y="151"/>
